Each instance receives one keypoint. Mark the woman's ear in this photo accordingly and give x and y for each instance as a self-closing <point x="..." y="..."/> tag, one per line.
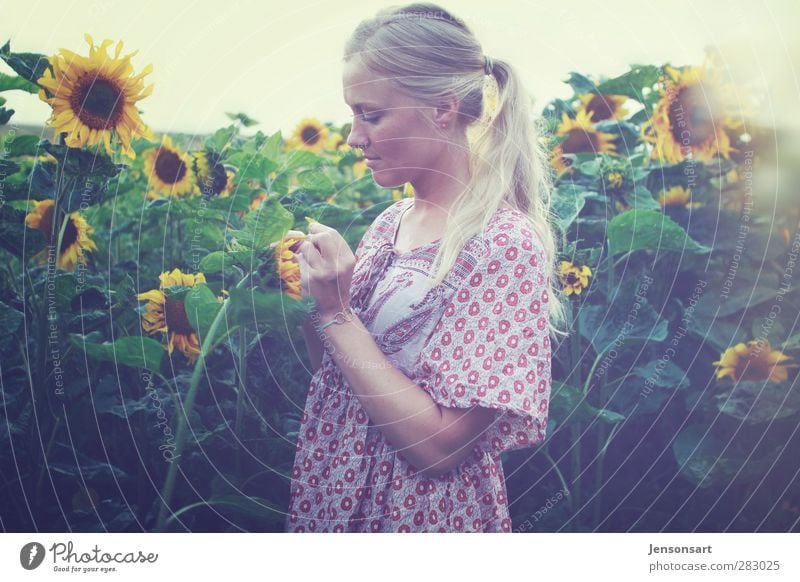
<point x="447" y="110"/>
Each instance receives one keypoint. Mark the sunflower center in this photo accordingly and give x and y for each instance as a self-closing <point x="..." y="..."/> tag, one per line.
<point x="310" y="135"/>
<point x="175" y="316"/>
<point x="169" y="167"/>
<point x="98" y="102"/>
<point x="214" y="181"/>
<point x="601" y="108"/>
<point x="571" y="279"/>
<point x="46" y="228"/>
<point x="690" y="117"/>
<point x="70" y="236"/>
<point x="579" y="141"/>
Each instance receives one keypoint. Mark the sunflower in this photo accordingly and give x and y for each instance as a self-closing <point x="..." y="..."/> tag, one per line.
<point x="288" y="267"/>
<point x="310" y="134"/>
<point x="359" y="169"/>
<point x="574" y="278"/>
<point x="75" y="241"/>
<point x="687" y="122"/>
<point x="559" y="163"/>
<point x="614" y="180"/>
<point x="169" y="170"/>
<point x="165" y="312"/>
<point x="406" y="192"/>
<point x="337" y="143"/>
<point x="753" y="362"/>
<point x="256" y="202"/>
<point x="94" y="98"/>
<point x="677" y="196"/>
<point x="582" y="137"/>
<point x="601" y="107"/>
<point x="213" y="178"/>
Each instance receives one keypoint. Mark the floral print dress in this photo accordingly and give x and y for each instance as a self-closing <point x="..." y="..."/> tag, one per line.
<point x="480" y="338"/>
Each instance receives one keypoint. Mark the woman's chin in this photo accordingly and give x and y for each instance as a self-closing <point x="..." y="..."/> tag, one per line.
<point x="387" y="178"/>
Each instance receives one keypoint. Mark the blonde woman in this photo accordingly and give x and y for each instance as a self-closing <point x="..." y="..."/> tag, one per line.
<point x="431" y="344"/>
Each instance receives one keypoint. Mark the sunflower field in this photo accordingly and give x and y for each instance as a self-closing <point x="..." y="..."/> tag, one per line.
<point x="153" y="371"/>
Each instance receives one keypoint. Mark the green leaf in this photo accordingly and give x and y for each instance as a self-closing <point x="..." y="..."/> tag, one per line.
<point x="763" y="401"/>
<point x="333" y="215"/>
<point x="10" y="320"/>
<point x="649" y="230"/>
<point x="79" y="162"/>
<point x="632" y="82"/>
<point x="301" y="159"/>
<point x="29" y="66"/>
<point x="315" y="181"/>
<point x="20" y="145"/>
<point x="698" y="454"/>
<point x="84" y="467"/>
<point x="252" y="165"/>
<point x="221" y="138"/>
<point x="580" y="83"/>
<point x="568" y="405"/>
<point x="9" y="83"/>
<point x="568" y="201"/>
<point x="270" y="311"/>
<point x="642" y="199"/>
<point x="242" y="118"/>
<point x="647" y="387"/>
<point x="217" y="262"/>
<point x="628" y="317"/>
<point x="201" y="307"/>
<point x="5" y="114"/>
<point x="709" y="459"/>
<point x="133" y="351"/>
<point x="14" y="237"/>
<point x="272" y="146"/>
<point x="265" y="225"/>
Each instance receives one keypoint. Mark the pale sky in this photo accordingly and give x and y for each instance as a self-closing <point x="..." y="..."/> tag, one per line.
<point x="279" y="61"/>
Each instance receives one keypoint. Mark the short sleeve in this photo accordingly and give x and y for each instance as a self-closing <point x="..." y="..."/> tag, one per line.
<point x="491" y="346"/>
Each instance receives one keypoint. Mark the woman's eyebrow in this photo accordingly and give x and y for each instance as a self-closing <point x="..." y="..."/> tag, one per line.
<point x="363" y="105"/>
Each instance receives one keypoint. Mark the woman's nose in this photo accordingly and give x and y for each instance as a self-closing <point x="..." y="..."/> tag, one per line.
<point x="356" y="139"/>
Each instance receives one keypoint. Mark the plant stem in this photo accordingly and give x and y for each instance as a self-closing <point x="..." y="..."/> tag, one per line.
<point x="598" y="477"/>
<point x="240" y="394"/>
<point x="601" y="454"/>
<point x="183" y="420"/>
<point x="563" y="481"/>
<point x="47" y="456"/>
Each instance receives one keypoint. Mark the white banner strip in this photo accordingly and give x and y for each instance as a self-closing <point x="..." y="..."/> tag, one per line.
<point x="389" y="557"/>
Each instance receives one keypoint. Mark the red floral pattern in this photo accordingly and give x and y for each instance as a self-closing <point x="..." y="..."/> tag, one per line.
<point x="483" y="342"/>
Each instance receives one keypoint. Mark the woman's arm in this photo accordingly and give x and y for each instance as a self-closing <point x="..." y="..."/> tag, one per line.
<point x="313" y="344"/>
<point x="433" y="438"/>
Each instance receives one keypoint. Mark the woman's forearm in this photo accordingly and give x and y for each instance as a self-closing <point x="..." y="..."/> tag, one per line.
<point x="313" y="344"/>
<point x="408" y="417"/>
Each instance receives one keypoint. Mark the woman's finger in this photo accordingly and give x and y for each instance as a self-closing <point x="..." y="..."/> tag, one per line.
<point x="289" y="234"/>
<point x="310" y="254"/>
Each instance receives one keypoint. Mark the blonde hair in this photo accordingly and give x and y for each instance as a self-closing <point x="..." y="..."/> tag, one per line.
<point x="427" y="53"/>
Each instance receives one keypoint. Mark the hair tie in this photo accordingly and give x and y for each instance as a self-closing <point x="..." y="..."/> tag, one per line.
<point x="487" y="64"/>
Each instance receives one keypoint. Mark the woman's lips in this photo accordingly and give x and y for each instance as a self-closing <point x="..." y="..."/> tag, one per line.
<point x="371" y="161"/>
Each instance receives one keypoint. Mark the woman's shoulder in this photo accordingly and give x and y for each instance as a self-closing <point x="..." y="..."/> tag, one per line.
<point x="510" y="228"/>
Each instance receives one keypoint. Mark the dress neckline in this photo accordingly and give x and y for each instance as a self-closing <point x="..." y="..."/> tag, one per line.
<point x="396" y="229"/>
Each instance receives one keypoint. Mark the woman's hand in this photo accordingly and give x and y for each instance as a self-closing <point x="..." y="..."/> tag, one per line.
<point x="326" y="268"/>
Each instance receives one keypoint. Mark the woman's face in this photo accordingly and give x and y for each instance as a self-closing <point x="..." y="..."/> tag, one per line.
<point x="398" y="132"/>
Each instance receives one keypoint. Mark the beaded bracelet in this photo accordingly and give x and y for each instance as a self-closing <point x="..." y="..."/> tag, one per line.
<point x="343" y="316"/>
